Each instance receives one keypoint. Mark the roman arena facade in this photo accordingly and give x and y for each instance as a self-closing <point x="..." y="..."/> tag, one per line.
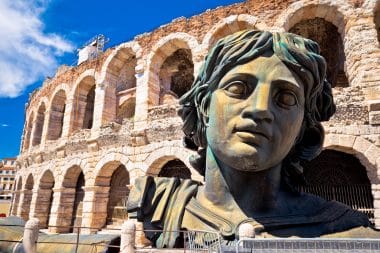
<point x="93" y="128"/>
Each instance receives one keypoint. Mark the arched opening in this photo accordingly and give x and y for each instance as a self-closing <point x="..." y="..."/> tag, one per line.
<point x="16" y="202"/>
<point x="226" y="27"/>
<point x="28" y="132"/>
<point x="176" y="75"/>
<point x="330" y="41"/>
<point x="175" y="168"/>
<point x="84" y="101"/>
<point x="118" y="195"/>
<point x="335" y="175"/>
<point x="39" y="125"/>
<point x="127" y="109"/>
<point x="28" y="193"/>
<point x="124" y="71"/>
<point x="76" y="220"/>
<point x="71" y="200"/>
<point x="121" y="69"/>
<point x="57" y="112"/>
<point x="377" y="21"/>
<point x="115" y="176"/>
<point x="45" y="198"/>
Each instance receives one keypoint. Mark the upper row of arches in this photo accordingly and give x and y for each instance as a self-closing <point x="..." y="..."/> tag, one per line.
<point x="169" y="72"/>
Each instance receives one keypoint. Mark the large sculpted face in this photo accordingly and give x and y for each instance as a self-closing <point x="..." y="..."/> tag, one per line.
<point x="255" y="114"/>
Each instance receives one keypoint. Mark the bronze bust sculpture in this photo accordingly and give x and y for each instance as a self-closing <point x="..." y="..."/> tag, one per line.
<point x="252" y="114"/>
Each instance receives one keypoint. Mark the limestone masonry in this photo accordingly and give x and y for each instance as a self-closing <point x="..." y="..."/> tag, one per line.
<point x="92" y="129"/>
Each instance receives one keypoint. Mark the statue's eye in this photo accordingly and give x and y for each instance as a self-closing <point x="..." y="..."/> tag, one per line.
<point x="236" y="88"/>
<point x="286" y="99"/>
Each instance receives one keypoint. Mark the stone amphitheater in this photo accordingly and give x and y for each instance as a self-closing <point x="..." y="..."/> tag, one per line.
<point x="93" y="128"/>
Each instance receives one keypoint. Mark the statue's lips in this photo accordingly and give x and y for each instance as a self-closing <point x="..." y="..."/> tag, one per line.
<point x="250" y="134"/>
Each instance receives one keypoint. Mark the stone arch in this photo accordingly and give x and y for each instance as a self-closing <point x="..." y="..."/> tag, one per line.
<point x="109" y="159"/>
<point x="16" y="201"/>
<point x="227" y="26"/>
<point x="119" y="67"/>
<point x="56" y="115"/>
<point x="302" y="10"/>
<point x="340" y="176"/>
<point x="119" y="77"/>
<point x="69" y="164"/>
<point x="44" y="198"/>
<point x="171" y="52"/>
<point x="365" y="151"/>
<point x="325" y="24"/>
<point x="121" y="54"/>
<point x="39" y="124"/>
<point x="157" y="159"/>
<point x="26" y="200"/>
<point x="325" y="33"/>
<point x="114" y="176"/>
<point x="28" y="131"/>
<point x="83" y="102"/>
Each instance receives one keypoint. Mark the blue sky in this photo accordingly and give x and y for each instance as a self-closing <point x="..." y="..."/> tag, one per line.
<point x="37" y="36"/>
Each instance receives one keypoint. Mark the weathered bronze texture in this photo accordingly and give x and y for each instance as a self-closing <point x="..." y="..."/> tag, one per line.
<point x="253" y="114"/>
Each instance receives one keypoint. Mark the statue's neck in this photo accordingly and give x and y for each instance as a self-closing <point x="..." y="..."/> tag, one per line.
<point x="252" y="192"/>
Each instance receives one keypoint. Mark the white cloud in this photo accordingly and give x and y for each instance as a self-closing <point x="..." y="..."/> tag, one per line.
<point x="27" y="54"/>
<point x="4" y="125"/>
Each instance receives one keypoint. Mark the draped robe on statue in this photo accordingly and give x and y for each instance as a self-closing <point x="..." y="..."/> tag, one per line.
<point x="170" y="204"/>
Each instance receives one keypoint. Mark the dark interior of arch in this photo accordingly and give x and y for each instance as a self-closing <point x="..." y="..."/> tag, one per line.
<point x="78" y="202"/>
<point x="175" y="168"/>
<point x="327" y="36"/>
<point x="89" y="111"/>
<point x="339" y="176"/>
<point x="116" y="208"/>
<point x="177" y="71"/>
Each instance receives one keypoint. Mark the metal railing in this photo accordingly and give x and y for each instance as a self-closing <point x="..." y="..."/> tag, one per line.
<point x="202" y="241"/>
<point x="303" y="245"/>
<point x="193" y="241"/>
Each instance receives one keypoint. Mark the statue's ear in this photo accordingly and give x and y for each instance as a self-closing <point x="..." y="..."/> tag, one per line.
<point x="311" y="143"/>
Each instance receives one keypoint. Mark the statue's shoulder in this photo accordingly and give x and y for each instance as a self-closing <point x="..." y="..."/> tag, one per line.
<point x="313" y="216"/>
<point x="159" y="203"/>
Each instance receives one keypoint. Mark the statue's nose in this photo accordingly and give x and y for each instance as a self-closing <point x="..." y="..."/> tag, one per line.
<point x="259" y="103"/>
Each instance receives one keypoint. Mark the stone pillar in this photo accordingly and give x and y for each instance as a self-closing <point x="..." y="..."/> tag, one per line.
<point x="127" y="240"/>
<point x="61" y="210"/>
<point x="95" y="208"/>
<point x="15" y="202"/>
<point x="29" y="241"/>
<point x="105" y="105"/>
<point x="40" y="206"/>
<point x="360" y="43"/>
<point x="24" y="204"/>
<point x="45" y="127"/>
<point x="67" y="118"/>
<point x="142" y="91"/>
<point x="198" y="60"/>
<point x="33" y="203"/>
<point x="376" y="203"/>
<point x="246" y="231"/>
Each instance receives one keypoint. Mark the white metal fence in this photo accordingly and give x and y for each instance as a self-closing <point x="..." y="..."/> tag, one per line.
<point x="303" y="245"/>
